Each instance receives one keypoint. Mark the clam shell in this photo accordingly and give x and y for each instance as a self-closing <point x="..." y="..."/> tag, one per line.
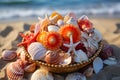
<point x="15" y="70"/>
<point x="9" y="54"/>
<point x="53" y="28"/>
<point x="36" y="51"/>
<point x="75" y="76"/>
<point x="30" y="68"/>
<point x="80" y="56"/>
<point x="97" y="64"/>
<point x="42" y="74"/>
<point x="110" y="61"/>
<point x="72" y="21"/>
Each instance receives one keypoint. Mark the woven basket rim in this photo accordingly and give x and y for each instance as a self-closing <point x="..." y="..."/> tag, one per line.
<point x="66" y="66"/>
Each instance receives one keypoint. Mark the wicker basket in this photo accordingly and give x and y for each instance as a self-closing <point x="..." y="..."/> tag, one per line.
<point x="67" y="68"/>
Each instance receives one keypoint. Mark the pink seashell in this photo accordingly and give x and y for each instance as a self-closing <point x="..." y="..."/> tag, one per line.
<point x="30" y="68"/>
<point x="15" y="70"/>
<point x="9" y="54"/>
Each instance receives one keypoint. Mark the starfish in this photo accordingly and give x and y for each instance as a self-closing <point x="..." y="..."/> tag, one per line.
<point x="71" y="46"/>
<point x="28" y="39"/>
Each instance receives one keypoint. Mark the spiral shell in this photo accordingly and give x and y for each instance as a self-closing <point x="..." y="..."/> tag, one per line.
<point x="75" y="76"/>
<point x="53" y="57"/>
<point x="8" y="54"/>
<point x="68" y="30"/>
<point x="15" y="70"/>
<point x="36" y="51"/>
<point x="53" y="40"/>
<point x="42" y="74"/>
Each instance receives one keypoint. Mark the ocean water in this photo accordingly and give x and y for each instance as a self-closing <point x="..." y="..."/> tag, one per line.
<point x="35" y="8"/>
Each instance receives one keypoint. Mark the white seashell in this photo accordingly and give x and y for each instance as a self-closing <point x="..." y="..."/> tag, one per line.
<point x="97" y="64"/>
<point x="67" y="61"/>
<point x="88" y="72"/>
<point x="60" y="22"/>
<point x="9" y="54"/>
<point x="97" y="35"/>
<point x="53" y="28"/>
<point x="42" y="74"/>
<point x="36" y="51"/>
<point x="110" y="61"/>
<point x="80" y="56"/>
<point x="75" y="76"/>
<point x="72" y="21"/>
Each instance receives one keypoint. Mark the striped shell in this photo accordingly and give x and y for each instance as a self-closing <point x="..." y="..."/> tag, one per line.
<point x="15" y="70"/>
<point x="53" y="40"/>
<point x="68" y="30"/>
<point x="36" y="51"/>
<point x="42" y="74"/>
<point x="9" y="54"/>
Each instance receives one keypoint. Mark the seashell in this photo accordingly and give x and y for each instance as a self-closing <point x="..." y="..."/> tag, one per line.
<point x="53" y="57"/>
<point x="41" y="37"/>
<point x="106" y="52"/>
<point x="60" y="22"/>
<point x="54" y="17"/>
<point x="88" y="72"/>
<point x="72" y="21"/>
<point x="30" y="67"/>
<point x="97" y="64"/>
<point x="97" y="35"/>
<point x="53" y="40"/>
<point x="80" y="56"/>
<point x="68" y="16"/>
<point x="15" y="70"/>
<point x="9" y="55"/>
<point x="110" y="61"/>
<point x="68" y="30"/>
<point x="85" y="24"/>
<point x="75" y="76"/>
<point x="36" y="51"/>
<point x="53" y="28"/>
<point x="37" y="28"/>
<point x="42" y="74"/>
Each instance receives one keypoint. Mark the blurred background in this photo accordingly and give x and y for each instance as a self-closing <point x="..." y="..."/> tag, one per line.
<point x="34" y="8"/>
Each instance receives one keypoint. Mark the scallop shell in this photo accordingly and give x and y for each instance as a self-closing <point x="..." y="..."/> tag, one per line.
<point x="54" y="17"/>
<point x="36" y="51"/>
<point x="42" y="74"/>
<point x="60" y="22"/>
<point x="72" y="21"/>
<point x="80" y="56"/>
<point x="15" y="70"/>
<point x="9" y="54"/>
<point x="30" y="67"/>
<point x="75" y="76"/>
<point x="97" y="35"/>
<point x="53" y="40"/>
<point x="68" y="30"/>
<point x="53" y="28"/>
<point x="97" y="64"/>
<point x="110" y="61"/>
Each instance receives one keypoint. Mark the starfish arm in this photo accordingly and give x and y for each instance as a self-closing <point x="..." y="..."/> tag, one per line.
<point x="24" y="36"/>
<point x="22" y="43"/>
<point x="74" y="51"/>
<point x="76" y="43"/>
<point x="69" y="50"/>
<point x="71" y="39"/>
<point x="67" y="45"/>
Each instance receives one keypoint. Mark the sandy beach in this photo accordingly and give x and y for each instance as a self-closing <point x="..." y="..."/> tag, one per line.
<point x="109" y="28"/>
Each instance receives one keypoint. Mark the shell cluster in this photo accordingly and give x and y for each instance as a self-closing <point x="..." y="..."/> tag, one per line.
<point x="58" y="40"/>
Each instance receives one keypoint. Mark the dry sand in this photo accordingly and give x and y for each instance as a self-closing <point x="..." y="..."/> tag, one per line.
<point x="109" y="28"/>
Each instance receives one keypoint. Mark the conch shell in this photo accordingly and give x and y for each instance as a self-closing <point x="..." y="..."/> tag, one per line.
<point x="75" y="76"/>
<point x="15" y="70"/>
<point x="42" y="74"/>
<point x="9" y="54"/>
<point x="36" y="51"/>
